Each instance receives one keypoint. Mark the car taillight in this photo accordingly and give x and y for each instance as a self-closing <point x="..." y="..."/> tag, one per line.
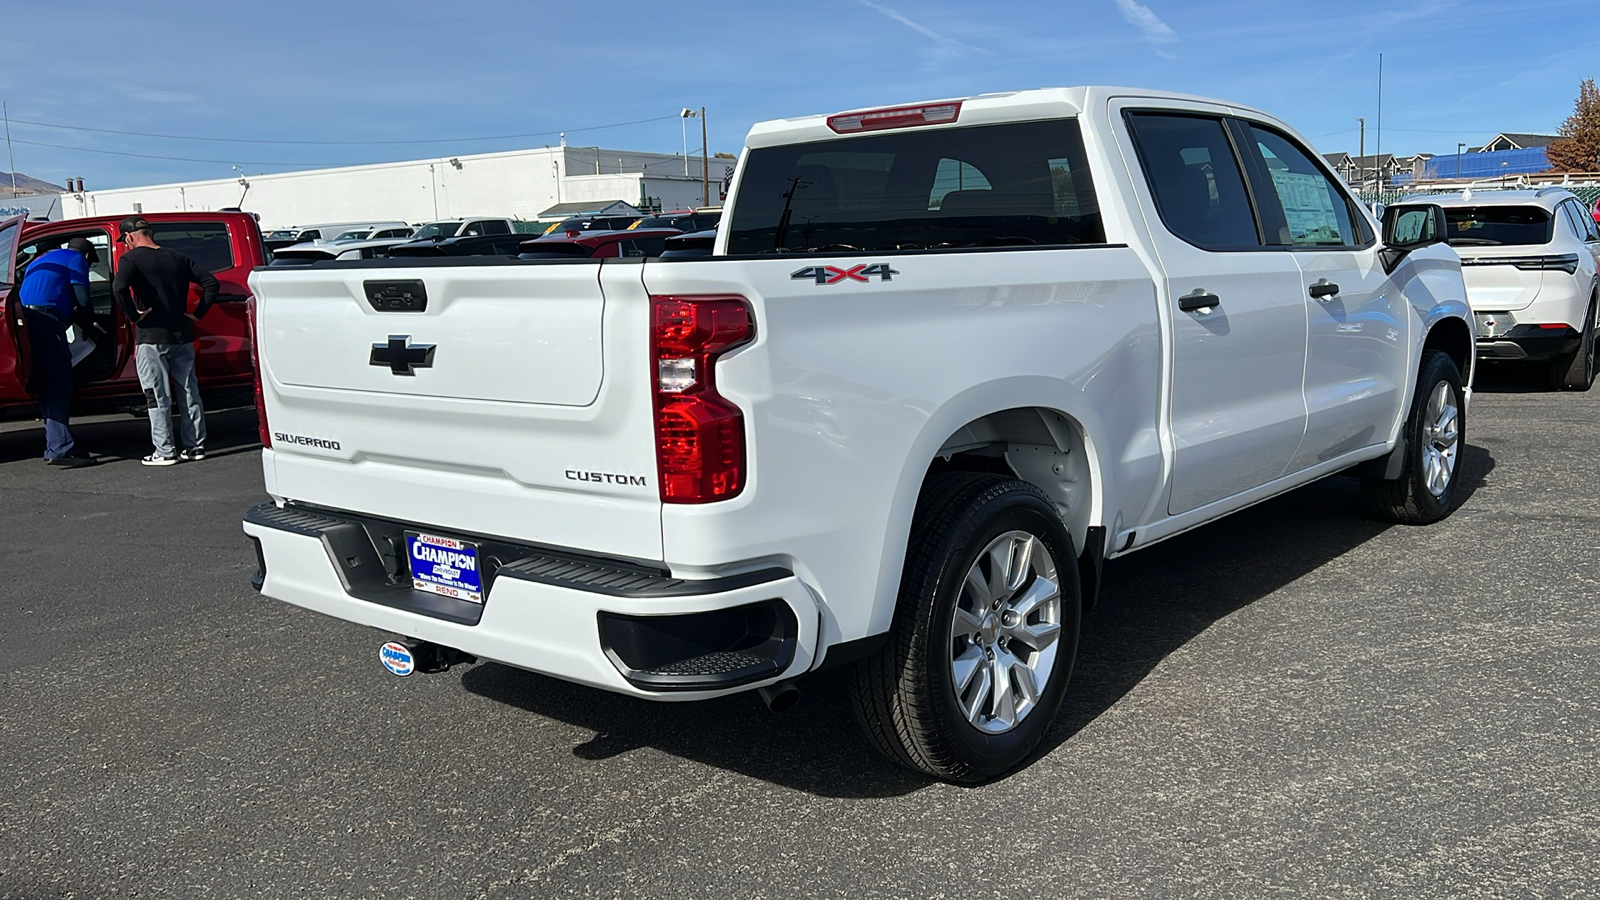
<point x="1566" y="262"/>
<point x="255" y="365"/>
<point x="699" y="434"/>
<point x="896" y="117"/>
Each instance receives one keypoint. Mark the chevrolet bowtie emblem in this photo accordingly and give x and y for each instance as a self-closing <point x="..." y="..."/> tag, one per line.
<point x="401" y="358"/>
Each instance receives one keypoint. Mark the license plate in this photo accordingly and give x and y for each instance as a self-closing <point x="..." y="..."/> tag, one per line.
<point x="1493" y="325"/>
<point x="444" y="566"/>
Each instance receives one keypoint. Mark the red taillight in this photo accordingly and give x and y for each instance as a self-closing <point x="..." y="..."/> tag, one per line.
<point x="897" y="117"/>
<point x="1553" y="326"/>
<point x="699" y="434"/>
<point x="255" y="364"/>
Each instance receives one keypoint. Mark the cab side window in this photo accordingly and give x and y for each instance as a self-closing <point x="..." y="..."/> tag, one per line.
<point x="1315" y="212"/>
<point x="1195" y="179"/>
<point x="495" y="227"/>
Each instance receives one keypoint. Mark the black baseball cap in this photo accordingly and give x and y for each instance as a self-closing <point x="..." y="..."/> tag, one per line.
<point x="83" y="246"/>
<point x="134" y="223"/>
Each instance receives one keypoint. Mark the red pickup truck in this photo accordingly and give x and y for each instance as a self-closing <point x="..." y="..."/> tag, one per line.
<point x="226" y="243"/>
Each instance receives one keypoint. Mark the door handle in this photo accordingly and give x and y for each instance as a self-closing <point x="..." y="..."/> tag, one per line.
<point x="1324" y="290"/>
<point x="1198" y="299"/>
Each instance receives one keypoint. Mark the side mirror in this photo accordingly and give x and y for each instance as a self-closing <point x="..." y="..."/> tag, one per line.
<point x="1413" y="225"/>
<point x="1410" y="227"/>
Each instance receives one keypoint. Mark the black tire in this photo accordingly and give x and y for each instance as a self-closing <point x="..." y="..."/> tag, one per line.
<point x="1576" y="370"/>
<point x="1409" y="499"/>
<point x="906" y="696"/>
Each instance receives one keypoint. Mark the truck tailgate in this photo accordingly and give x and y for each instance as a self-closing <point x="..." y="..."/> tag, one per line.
<point x="513" y="401"/>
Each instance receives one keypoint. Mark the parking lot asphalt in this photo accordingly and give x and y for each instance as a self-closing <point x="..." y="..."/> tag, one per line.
<point x="1292" y="702"/>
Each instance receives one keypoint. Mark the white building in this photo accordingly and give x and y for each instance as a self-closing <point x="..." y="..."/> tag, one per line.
<point x="518" y="183"/>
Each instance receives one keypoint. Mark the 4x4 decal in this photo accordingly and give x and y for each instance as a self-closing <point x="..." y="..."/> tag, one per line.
<point x="834" y="274"/>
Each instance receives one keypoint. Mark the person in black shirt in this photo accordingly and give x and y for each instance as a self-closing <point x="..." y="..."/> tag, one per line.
<point x="152" y="287"/>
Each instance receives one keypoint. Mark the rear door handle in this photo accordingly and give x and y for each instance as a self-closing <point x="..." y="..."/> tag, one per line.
<point x="1198" y="299"/>
<point x="1324" y="290"/>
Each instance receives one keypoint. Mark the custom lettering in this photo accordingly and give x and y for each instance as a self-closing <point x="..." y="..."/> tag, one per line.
<point x="606" y="478"/>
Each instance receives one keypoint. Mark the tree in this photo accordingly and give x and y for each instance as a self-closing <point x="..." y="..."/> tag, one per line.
<point x="1578" y="148"/>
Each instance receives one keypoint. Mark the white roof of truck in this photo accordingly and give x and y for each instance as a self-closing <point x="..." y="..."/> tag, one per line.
<point x="981" y="109"/>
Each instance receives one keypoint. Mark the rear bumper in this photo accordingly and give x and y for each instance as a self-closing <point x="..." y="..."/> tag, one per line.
<point x="1531" y="343"/>
<point x="608" y="625"/>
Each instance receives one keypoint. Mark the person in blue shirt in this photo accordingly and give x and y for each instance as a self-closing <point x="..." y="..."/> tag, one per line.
<point x="55" y="287"/>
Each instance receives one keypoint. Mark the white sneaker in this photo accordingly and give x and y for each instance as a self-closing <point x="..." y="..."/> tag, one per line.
<point x="154" y="460"/>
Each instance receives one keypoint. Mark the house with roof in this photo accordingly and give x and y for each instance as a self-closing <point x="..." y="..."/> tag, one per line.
<point x="1516" y="141"/>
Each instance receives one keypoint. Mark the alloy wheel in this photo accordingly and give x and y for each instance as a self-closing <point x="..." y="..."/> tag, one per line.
<point x="1004" y="632"/>
<point x="1441" y="439"/>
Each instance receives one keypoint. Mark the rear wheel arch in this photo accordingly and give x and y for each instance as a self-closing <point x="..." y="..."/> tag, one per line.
<point x="1045" y="447"/>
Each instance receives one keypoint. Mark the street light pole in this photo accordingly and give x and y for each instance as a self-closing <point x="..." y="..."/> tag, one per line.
<point x="683" y="129"/>
<point x="705" y="162"/>
<point x="1459" y="145"/>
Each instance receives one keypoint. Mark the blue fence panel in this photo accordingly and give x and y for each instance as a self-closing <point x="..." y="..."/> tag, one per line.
<point x="1487" y="165"/>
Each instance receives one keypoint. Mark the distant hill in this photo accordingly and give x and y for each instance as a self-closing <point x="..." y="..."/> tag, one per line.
<point x="27" y="184"/>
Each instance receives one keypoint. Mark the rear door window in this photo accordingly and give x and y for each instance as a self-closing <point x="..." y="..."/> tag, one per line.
<point x="1195" y="179"/>
<point x="207" y="243"/>
<point x="1017" y="184"/>
<point x="1315" y="212"/>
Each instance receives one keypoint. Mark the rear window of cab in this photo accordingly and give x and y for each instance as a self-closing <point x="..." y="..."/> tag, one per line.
<point x="1016" y="184"/>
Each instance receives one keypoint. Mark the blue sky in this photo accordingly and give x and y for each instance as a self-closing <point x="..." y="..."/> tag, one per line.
<point x="268" y="82"/>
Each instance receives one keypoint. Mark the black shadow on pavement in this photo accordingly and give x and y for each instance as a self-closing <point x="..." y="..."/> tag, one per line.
<point x="124" y="437"/>
<point x="1499" y="377"/>
<point x="1153" y="603"/>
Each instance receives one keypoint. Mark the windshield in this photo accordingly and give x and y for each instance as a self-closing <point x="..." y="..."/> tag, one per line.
<point x="436" y="229"/>
<point x="352" y="235"/>
<point x="1467" y="226"/>
<point x="985" y="186"/>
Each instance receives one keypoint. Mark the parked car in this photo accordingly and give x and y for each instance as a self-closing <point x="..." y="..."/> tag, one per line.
<point x="475" y="245"/>
<point x="320" y="251"/>
<point x="592" y="223"/>
<point x="468" y="227"/>
<point x="328" y="231"/>
<point x="599" y="244"/>
<point x="1594" y="211"/>
<point x="281" y="237"/>
<point x="1530" y="262"/>
<point x="684" y="220"/>
<point x="949" y="357"/>
<point x="373" y="234"/>
<point x="690" y="246"/>
<point x="227" y="244"/>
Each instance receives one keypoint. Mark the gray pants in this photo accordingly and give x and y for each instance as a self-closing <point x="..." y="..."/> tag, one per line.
<point x="157" y="363"/>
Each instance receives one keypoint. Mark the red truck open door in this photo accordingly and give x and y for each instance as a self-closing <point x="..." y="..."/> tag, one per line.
<point x="13" y="332"/>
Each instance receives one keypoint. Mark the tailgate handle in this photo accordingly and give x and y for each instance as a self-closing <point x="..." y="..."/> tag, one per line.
<point x="397" y="296"/>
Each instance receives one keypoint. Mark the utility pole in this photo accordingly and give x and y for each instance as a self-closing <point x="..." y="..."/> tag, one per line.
<point x="10" y="161"/>
<point x="1378" y="151"/>
<point x="1361" y="154"/>
<point x="705" y="163"/>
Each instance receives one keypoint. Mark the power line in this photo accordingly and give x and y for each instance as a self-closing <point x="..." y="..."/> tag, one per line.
<point x="237" y="162"/>
<point x="180" y="137"/>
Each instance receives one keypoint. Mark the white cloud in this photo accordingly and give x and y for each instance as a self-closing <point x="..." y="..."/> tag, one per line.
<point x="944" y="48"/>
<point x="1149" y="24"/>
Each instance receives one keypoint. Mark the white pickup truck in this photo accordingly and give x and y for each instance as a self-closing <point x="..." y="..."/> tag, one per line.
<point x="946" y="359"/>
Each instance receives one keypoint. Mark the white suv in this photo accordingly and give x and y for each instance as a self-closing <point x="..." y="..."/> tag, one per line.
<point x="1529" y="260"/>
